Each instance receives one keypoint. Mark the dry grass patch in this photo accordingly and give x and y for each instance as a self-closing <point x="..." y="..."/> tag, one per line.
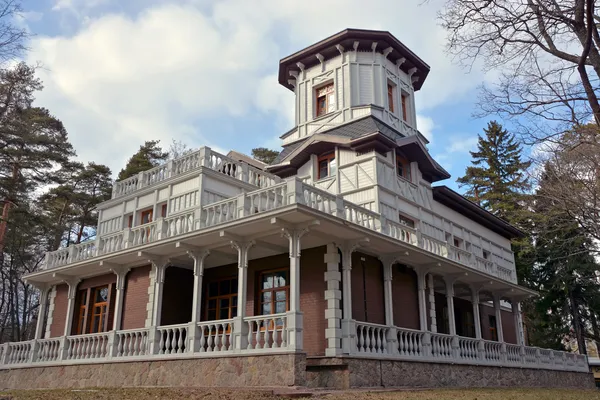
<point x="223" y="394"/>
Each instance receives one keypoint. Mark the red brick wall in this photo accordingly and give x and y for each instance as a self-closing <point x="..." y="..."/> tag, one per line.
<point x="405" y="297"/>
<point x="367" y="289"/>
<point x="59" y="314"/>
<point x="136" y="298"/>
<point x="178" y="292"/>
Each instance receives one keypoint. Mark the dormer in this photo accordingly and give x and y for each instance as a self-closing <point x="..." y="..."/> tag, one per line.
<point x="350" y="75"/>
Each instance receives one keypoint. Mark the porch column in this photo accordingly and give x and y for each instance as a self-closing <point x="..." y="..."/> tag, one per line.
<point x="333" y="295"/>
<point x="39" y="326"/>
<point x="516" y="310"/>
<point x="421" y="286"/>
<point x="294" y="315"/>
<point x="432" y="316"/>
<point x="450" y="305"/>
<point x="71" y="304"/>
<point x="476" y="316"/>
<point x="498" y="312"/>
<point x="198" y="256"/>
<point x="240" y="328"/>
<point x="348" y="324"/>
<point x="388" y="299"/>
<point x="159" y="266"/>
<point x="121" y="273"/>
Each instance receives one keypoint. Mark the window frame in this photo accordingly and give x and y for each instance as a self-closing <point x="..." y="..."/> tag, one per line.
<point x="260" y="291"/>
<point x="219" y="297"/>
<point x="329" y="157"/>
<point x="390" y="92"/>
<point x="83" y="320"/>
<point x="326" y="96"/>
<point x="404" y="101"/>
<point x="148" y="211"/>
<point x="92" y="310"/>
<point x="402" y="163"/>
<point x="493" y="328"/>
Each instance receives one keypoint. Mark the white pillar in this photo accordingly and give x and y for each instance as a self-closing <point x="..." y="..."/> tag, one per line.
<point x="240" y="329"/>
<point x="198" y="256"/>
<point x="294" y="316"/>
<point x="159" y="266"/>
<point x="71" y="304"/>
<point x="121" y="273"/>
<point x="516" y="310"/>
<point x="498" y="311"/>
<point x="39" y="326"/>
<point x="422" y="296"/>
<point x="476" y="316"/>
<point x="432" y="314"/>
<point x="348" y="325"/>
<point x="387" y="291"/>
<point x="450" y="305"/>
<point x="333" y="295"/>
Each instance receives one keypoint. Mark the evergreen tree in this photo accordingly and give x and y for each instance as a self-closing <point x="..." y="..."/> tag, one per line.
<point x="496" y="180"/>
<point x="148" y="156"/>
<point x="264" y="155"/>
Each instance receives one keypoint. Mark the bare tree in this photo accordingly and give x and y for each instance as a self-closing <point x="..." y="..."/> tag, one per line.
<point x="12" y="37"/>
<point x="547" y="53"/>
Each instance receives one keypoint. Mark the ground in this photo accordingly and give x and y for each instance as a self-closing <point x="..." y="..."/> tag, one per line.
<point x="220" y="394"/>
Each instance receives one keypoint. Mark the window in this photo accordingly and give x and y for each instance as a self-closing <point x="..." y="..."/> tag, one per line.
<point x="163" y="210"/>
<point x="468" y="324"/>
<point x="486" y="255"/>
<point x="493" y="328"/>
<point x="406" y="221"/>
<point x="274" y="292"/>
<point x="327" y="165"/>
<point x="146" y="217"/>
<point x="92" y="310"/>
<point x="221" y="300"/>
<point x="402" y="167"/>
<point x="130" y="221"/>
<point x="325" y="99"/>
<point x="390" y="97"/>
<point x="99" y="309"/>
<point x="457" y="243"/>
<point x="404" y="108"/>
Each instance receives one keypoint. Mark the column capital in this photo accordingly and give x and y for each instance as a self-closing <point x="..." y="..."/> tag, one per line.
<point x="349" y="247"/>
<point x="243" y="247"/>
<point x="159" y="265"/>
<point x="198" y="256"/>
<point x="121" y="273"/>
<point x="294" y="234"/>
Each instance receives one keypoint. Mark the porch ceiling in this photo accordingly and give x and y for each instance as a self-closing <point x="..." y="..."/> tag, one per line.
<point x="265" y="230"/>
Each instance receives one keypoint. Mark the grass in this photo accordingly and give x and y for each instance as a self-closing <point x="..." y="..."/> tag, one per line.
<point x="222" y="394"/>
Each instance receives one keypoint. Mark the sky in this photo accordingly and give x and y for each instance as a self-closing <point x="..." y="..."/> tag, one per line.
<point x="120" y="72"/>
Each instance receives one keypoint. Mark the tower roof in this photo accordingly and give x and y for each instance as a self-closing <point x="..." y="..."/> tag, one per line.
<point x="363" y="40"/>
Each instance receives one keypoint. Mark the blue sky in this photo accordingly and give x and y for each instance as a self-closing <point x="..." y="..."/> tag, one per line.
<point x="203" y="72"/>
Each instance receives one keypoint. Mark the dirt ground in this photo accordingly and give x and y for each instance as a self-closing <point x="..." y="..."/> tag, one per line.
<point x="221" y="394"/>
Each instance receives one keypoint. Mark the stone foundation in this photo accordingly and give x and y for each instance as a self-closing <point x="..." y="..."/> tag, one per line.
<point x="346" y="372"/>
<point x="243" y="371"/>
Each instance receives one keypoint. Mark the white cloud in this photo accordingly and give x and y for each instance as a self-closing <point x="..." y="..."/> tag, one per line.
<point x="183" y="70"/>
<point x="462" y="144"/>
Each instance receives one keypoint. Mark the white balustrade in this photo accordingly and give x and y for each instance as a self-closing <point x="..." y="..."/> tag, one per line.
<point x="184" y="201"/>
<point x="267" y="331"/>
<point x="187" y="162"/>
<point x="110" y="225"/>
<point x="125" y="187"/>
<point x="180" y="224"/>
<point x="87" y="346"/>
<point x="57" y="258"/>
<point x="111" y="243"/>
<point x="441" y="346"/>
<point x="268" y="199"/>
<point x="20" y="352"/>
<point x="143" y="234"/>
<point x="371" y="338"/>
<point x="484" y="265"/>
<point x="318" y="199"/>
<point x="132" y="342"/>
<point x="433" y="245"/>
<point x="155" y="175"/>
<point x="546" y="356"/>
<point x="459" y="255"/>
<point x="513" y="354"/>
<point x="468" y="348"/>
<point x="218" y="213"/>
<point x="360" y="215"/>
<point x="48" y="350"/>
<point x="492" y="351"/>
<point x="215" y="336"/>
<point x="402" y="232"/>
<point x="410" y="342"/>
<point x="172" y="339"/>
<point x="83" y="251"/>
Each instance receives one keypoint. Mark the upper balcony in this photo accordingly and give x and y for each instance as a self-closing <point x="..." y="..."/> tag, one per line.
<point x="267" y="200"/>
<point x="192" y="162"/>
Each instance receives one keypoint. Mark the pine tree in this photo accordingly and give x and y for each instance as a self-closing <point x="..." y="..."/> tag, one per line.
<point x="264" y="155"/>
<point x="147" y="157"/>
<point x="496" y="180"/>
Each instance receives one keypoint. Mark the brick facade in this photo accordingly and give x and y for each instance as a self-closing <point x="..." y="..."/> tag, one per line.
<point x="59" y="313"/>
<point x="367" y="289"/>
<point x="404" y="295"/>
<point x="136" y="298"/>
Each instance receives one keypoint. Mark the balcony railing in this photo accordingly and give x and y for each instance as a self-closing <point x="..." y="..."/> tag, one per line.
<point x="204" y="157"/>
<point x="292" y="191"/>
<point x="408" y="344"/>
<point x="266" y="333"/>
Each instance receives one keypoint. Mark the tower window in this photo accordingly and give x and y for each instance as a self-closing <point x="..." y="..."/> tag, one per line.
<point x="327" y="165"/>
<point x="404" y="108"/>
<point x="402" y="167"/>
<point x="390" y="88"/>
<point x="325" y="99"/>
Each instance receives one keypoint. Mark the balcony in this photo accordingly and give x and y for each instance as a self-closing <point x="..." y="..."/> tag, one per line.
<point x="273" y="197"/>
